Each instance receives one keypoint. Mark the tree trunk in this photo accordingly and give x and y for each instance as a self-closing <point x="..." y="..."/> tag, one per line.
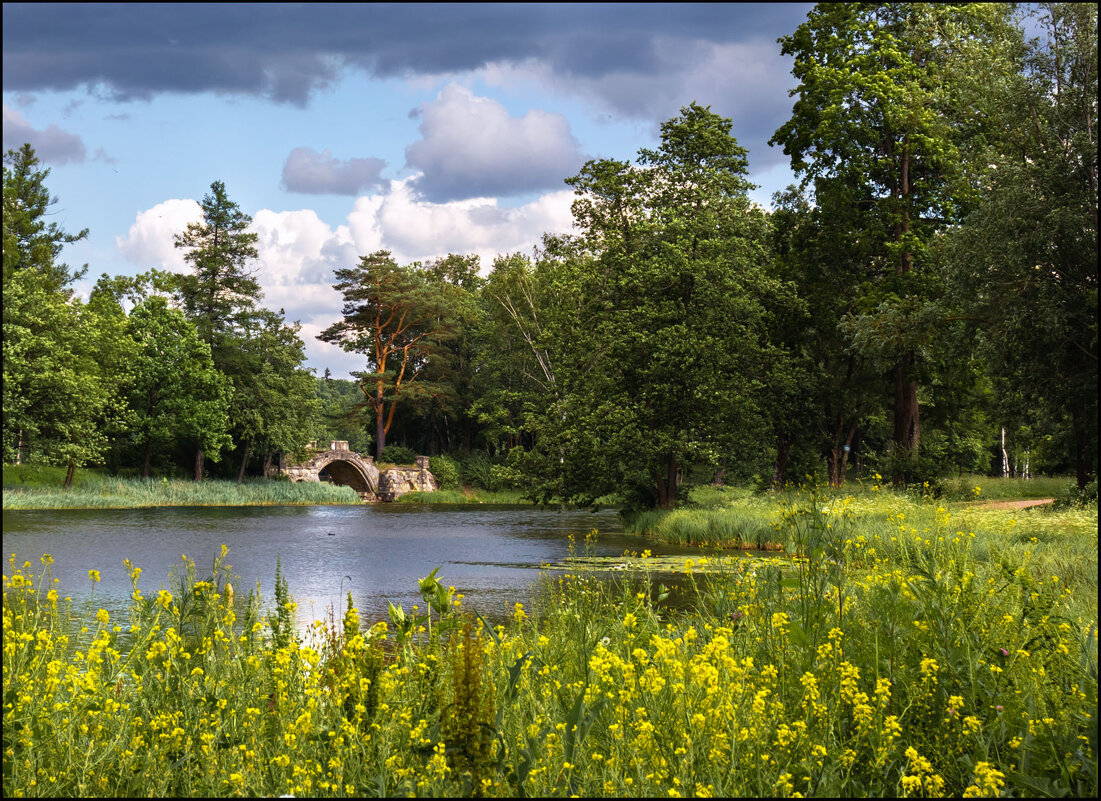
<point x="1081" y="449"/>
<point x="720" y="476"/>
<point x="1005" y="457"/>
<point x="69" y="474"/>
<point x="380" y="429"/>
<point x="19" y="448"/>
<point x="267" y="463"/>
<point x="147" y="461"/>
<point x="667" y="485"/>
<point x="907" y="433"/>
<point x="244" y="463"/>
<point x="783" y="459"/>
<point x="833" y="460"/>
<point x="198" y="464"/>
<point x="671" y="484"/>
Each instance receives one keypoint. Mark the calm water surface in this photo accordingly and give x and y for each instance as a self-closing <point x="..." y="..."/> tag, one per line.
<point x="492" y="554"/>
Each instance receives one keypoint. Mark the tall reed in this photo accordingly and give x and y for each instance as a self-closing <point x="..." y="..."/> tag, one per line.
<point x="136" y="492"/>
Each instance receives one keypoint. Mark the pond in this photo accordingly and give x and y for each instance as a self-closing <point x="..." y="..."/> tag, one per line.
<point x="491" y="554"/>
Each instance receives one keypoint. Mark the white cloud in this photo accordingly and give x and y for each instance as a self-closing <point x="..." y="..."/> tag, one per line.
<point x="298" y="247"/>
<point x="299" y="252"/>
<point x="52" y="145"/>
<point x="472" y="147"/>
<point x="746" y="81"/>
<point x="149" y="242"/>
<point x="418" y="230"/>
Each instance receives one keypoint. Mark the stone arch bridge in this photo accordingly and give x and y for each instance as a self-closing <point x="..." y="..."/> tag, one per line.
<point x="343" y="466"/>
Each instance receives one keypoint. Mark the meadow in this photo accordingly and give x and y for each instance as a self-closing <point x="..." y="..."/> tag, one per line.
<point x="894" y="647"/>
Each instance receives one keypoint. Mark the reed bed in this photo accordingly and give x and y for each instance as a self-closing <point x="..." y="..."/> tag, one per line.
<point x="113" y="493"/>
<point x="899" y="660"/>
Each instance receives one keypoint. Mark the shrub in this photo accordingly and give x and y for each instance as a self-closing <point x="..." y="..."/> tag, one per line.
<point x="396" y="454"/>
<point x="446" y="470"/>
<point x="504" y="477"/>
<point x="1073" y="497"/>
<point x="478" y="470"/>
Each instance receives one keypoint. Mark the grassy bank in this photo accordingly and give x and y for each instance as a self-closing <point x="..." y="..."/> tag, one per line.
<point x="468" y="495"/>
<point x="1052" y="540"/>
<point x="908" y="666"/>
<point x="35" y="487"/>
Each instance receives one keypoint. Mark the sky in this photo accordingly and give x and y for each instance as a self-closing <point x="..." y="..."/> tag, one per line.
<point x="345" y="129"/>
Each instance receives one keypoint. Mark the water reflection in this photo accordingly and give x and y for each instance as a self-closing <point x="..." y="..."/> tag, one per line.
<point x="491" y="554"/>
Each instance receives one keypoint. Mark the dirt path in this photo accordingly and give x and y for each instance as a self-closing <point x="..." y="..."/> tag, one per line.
<point x="1013" y="504"/>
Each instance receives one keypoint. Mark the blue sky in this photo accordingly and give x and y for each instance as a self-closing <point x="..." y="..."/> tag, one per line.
<point x="343" y="129"/>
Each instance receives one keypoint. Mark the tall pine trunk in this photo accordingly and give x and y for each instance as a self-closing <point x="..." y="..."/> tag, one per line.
<point x="69" y="474"/>
<point x="198" y="464"/>
<point x="380" y="438"/>
<point x="380" y="423"/>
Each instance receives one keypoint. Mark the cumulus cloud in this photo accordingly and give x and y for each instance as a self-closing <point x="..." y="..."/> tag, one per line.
<point x="149" y="242"/>
<point x="298" y="252"/>
<point x="747" y="81"/>
<point x="472" y="147"/>
<point x="52" y="145"/>
<point x="314" y="173"/>
<point x="416" y="229"/>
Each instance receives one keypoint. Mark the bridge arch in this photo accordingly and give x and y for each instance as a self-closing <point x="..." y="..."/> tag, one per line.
<point x="341" y="466"/>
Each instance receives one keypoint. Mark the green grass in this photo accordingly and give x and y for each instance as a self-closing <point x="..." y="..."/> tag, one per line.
<point x="33" y="476"/>
<point x="740" y="523"/>
<point x="455" y="496"/>
<point x="1054" y="541"/>
<point x="37" y="487"/>
<point x="1005" y="489"/>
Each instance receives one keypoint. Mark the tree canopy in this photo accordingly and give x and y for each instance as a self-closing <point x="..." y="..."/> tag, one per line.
<point x="924" y="301"/>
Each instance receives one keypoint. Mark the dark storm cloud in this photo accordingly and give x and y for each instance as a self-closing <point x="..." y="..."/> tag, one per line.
<point x="52" y="144"/>
<point x="314" y="173"/>
<point x="287" y="51"/>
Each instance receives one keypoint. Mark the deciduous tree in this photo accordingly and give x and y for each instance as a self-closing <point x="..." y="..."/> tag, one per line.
<point x="174" y="393"/>
<point x="882" y="125"/>
<point x="670" y="340"/>
<point x="1027" y="255"/>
